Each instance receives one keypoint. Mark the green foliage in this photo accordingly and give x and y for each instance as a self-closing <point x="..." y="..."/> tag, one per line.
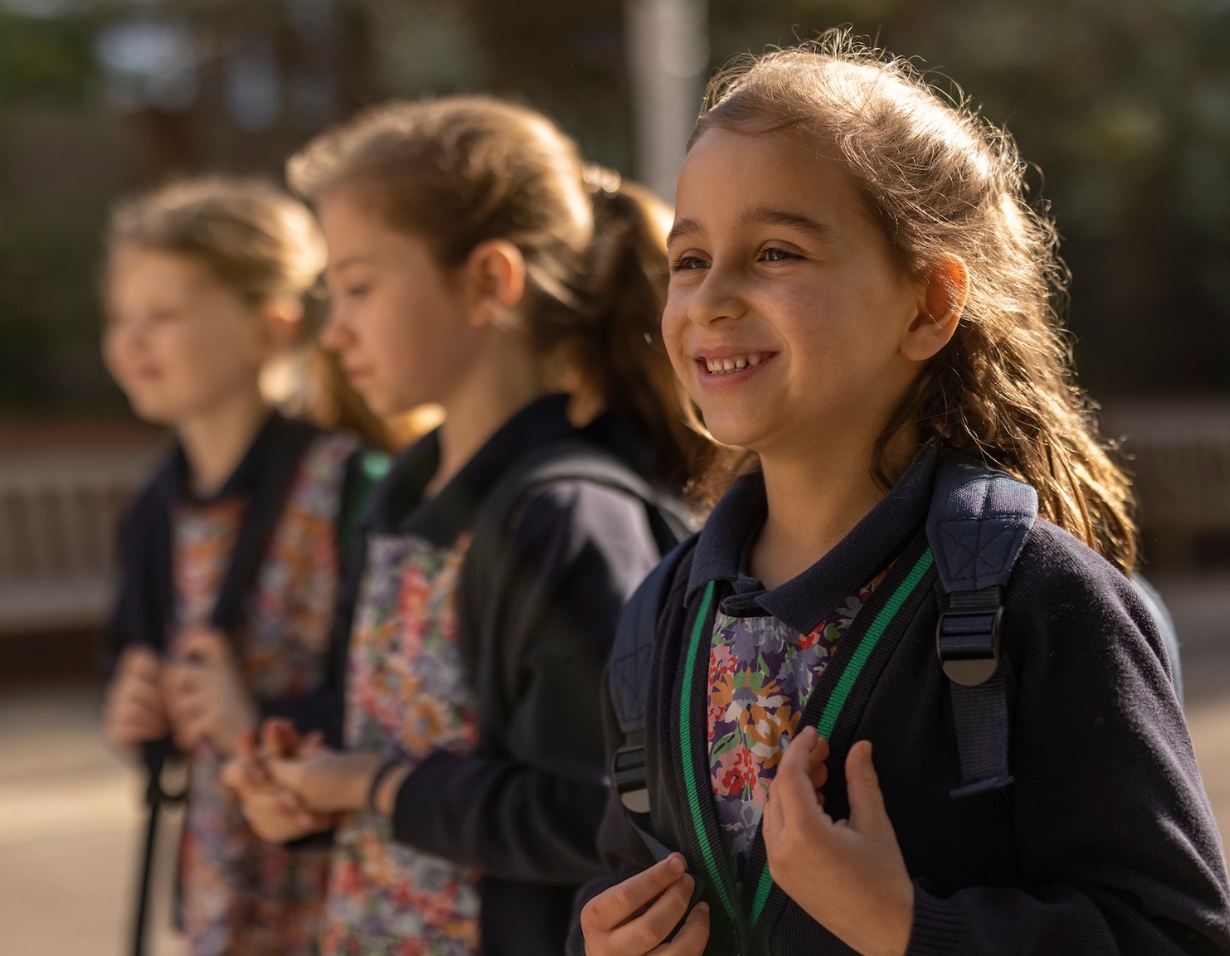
<point x="49" y="326"/>
<point x="43" y="59"/>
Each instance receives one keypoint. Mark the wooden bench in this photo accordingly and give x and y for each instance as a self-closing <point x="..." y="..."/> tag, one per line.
<point x="59" y="515"/>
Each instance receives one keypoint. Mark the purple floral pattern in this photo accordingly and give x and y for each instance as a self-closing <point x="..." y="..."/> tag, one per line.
<point x="761" y="672"/>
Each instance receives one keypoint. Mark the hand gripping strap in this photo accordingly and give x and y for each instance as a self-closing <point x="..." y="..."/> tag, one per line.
<point x="978" y="522"/>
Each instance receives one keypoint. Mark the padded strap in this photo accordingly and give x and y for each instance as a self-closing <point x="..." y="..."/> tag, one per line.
<point x="978" y="522"/>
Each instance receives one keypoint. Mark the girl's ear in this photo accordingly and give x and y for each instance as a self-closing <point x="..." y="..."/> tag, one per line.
<point x="940" y="307"/>
<point x="494" y="283"/>
<point x="281" y="320"/>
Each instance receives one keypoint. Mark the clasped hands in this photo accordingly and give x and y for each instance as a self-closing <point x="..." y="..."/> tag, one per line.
<point x="848" y="875"/>
<point x="197" y="693"/>
<point x="291" y="786"/>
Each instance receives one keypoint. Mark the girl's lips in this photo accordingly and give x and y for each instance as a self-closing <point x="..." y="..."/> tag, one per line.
<point x="708" y="365"/>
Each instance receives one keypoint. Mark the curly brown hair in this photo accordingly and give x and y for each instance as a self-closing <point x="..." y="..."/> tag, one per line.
<point x="940" y="181"/>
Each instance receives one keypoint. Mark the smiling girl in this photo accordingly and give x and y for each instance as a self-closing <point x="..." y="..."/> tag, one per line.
<point x="475" y="261"/>
<point x="862" y="300"/>
<point x="231" y="554"/>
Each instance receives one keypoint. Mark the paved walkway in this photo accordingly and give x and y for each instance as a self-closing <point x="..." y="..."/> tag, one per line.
<point x="70" y="817"/>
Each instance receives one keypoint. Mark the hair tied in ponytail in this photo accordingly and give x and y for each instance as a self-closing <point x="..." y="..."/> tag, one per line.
<point x="599" y="179"/>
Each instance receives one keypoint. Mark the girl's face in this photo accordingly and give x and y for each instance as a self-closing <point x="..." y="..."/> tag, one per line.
<point x="787" y="319"/>
<point x="179" y="342"/>
<point x="398" y="322"/>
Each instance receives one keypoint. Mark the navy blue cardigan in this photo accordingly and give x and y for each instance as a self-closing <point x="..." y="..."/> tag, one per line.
<point x="1104" y="845"/>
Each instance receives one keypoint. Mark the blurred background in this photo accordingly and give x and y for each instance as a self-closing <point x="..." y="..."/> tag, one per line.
<point x="1122" y="105"/>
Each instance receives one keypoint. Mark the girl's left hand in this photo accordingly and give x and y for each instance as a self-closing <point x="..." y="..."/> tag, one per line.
<point x="205" y="693"/>
<point x="331" y="781"/>
<point x="848" y="875"/>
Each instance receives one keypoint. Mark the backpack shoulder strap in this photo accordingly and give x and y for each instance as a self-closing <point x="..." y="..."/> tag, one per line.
<point x="977" y="524"/>
<point x="627" y="673"/>
<point x="486" y="562"/>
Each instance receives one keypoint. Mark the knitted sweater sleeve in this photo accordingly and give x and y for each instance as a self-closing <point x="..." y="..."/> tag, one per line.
<point x="1118" y="848"/>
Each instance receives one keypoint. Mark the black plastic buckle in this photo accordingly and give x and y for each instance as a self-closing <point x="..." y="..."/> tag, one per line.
<point x="628" y="776"/>
<point x="967" y="642"/>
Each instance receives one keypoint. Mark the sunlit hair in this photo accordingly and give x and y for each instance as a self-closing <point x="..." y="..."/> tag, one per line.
<point x="459" y="171"/>
<point x="264" y="245"/>
<point x="941" y="181"/>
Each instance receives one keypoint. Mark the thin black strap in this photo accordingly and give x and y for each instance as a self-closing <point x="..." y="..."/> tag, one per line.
<point x="981" y="715"/>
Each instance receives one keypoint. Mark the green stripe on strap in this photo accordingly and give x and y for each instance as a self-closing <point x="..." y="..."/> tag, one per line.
<point x="837" y="700"/>
<point x="689" y="777"/>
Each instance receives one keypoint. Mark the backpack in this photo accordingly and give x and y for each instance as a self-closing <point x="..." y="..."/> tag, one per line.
<point x="977" y="523"/>
<point x="487" y="561"/>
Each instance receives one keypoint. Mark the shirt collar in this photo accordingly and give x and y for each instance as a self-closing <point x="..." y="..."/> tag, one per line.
<point x="242" y="481"/>
<point x="398" y="506"/>
<point x="805" y="600"/>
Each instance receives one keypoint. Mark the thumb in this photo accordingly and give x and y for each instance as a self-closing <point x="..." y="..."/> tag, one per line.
<point x="867" y="812"/>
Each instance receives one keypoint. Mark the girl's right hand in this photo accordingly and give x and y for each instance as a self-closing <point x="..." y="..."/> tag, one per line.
<point x="634" y="917"/>
<point x="275" y="814"/>
<point x="133" y="711"/>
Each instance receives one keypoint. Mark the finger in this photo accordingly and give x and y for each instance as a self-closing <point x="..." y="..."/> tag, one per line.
<point x="692" y="936"/>
<point x="867" y="812"/>
<point x="285" y="773"/>
<point x="819" y="777"/>
<point x="792" y="786"/>
<point x="313" y="744"/>
<point x="279" y="738"/>
<point x="618" y="904"/>
<point x="646" y="930"/>
<point x="203" y="644"/>
<point x="140" y="662"/>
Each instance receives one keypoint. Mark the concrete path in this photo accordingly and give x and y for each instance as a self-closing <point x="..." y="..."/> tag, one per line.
<point x="70" y="817"/>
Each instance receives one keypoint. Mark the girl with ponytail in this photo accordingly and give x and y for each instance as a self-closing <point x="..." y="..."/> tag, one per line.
<point x="475" y="261"/>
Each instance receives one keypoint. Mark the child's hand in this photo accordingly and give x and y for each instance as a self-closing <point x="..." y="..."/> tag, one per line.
<point x="205" y="693"/>
<point x="849" y="876"/>
<point x="634" y="917"/>
<point x="274" y="813"/>
<point x="133" y="711"/>
<point x="328" y="781"/>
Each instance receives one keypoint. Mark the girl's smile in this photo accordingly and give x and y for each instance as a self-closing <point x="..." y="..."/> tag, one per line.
<point x="724" y="368"/>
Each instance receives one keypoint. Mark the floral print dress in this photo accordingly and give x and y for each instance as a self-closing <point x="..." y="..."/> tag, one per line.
<point x="407" y="695"/>
<point x="240" y="895"/>
<point x="761" y="672"/>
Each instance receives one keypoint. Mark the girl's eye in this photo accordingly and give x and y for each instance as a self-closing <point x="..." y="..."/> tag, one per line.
<point x="687" y="264"/>
<point x="357" y="291"/>
<point x="773" y="254"/>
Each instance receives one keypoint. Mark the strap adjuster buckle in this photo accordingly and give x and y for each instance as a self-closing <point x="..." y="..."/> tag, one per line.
<point x="629" y="777"/>
<point x="967" y="643"/>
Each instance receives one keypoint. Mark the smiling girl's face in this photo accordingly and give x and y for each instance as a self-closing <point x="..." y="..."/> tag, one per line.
<point x="787" y="319"/>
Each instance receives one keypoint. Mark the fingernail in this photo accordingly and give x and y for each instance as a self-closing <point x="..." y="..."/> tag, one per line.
<point x="677" y="863"/>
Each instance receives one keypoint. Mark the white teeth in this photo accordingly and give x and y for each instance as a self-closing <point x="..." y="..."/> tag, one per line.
<point x="721" y="366"/>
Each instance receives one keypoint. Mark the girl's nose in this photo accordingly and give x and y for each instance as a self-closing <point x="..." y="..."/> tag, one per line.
<point x="716" y="298"/>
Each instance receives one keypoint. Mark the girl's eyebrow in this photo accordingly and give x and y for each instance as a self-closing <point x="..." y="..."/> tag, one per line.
<point x="682" y="227"/>
<point x="350" y="261"/>
<point x="764" y="215"/>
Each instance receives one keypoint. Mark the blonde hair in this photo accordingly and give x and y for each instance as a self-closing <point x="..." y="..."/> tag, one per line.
<point x="940" y="180"/>
<point x="264" y="245"/>
<point x="458" y="171"/>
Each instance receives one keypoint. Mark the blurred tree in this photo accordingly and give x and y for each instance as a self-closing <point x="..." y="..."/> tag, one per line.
<point x="1124" y="105"/>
